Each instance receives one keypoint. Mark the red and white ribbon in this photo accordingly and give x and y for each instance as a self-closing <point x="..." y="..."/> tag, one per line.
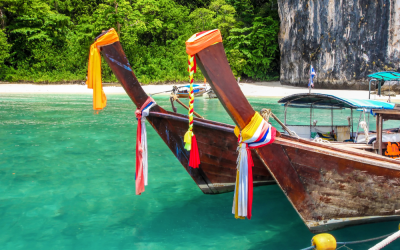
<point x="141" y="146"/>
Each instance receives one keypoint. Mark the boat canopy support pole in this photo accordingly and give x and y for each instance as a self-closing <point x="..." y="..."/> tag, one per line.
<point x="310" y="119"/>
<point x="332" y="120"/>
<point x="369" y="93"/>
<point x="286" y="105"/>
<point x="352" y="129"/>
<point x="379" y="87"/>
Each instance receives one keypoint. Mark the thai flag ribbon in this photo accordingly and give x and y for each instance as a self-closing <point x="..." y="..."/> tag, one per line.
<point x="256" y="134"/>
<point x="141" y="145"/>
<point x="312" y="75"/>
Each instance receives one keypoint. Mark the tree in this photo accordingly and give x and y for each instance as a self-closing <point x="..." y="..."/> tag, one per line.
<point x="225" y="16"/>
<point x="259" y="46"/>
<point x="202" y="19"/>
<point x="5" y="48"/>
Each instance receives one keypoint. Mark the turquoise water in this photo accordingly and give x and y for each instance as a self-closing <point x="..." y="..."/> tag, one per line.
<point x="67" y="182"/>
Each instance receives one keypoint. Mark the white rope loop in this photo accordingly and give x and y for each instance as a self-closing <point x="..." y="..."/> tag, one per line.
<point x="386" y="241"/>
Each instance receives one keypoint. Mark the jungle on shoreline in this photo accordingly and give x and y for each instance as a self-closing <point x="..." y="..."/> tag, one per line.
<point x="49" y="40"/>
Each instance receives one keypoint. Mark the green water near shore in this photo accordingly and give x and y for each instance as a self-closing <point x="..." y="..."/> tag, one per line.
<point x="67" y="182"/>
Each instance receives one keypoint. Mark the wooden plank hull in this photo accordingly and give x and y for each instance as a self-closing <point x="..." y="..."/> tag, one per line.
<point x="330" y="188"/>
<point x="216" y="141"/>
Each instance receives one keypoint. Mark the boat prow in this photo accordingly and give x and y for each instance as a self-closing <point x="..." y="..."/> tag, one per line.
<point x="216" y="141"/>
<point x="328" y="186"/>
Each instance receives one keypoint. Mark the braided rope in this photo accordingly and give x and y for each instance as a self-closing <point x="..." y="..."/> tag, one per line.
<point x="191" y="94"/>
<point x="189" y="133"/>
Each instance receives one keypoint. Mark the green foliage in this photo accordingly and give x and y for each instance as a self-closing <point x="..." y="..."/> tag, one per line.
<point x="202" y="19"/>
<point x="5" y="48"/>
<point x="259" y="46"/>
<point x="225" y="16"/>
<point x="48" y="40"/>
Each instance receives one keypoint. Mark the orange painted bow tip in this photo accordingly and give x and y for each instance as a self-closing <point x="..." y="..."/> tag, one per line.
<point x="202" y="40"/>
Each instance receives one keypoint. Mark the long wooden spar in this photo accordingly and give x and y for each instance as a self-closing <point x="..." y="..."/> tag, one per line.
<point x="329" y="187"/>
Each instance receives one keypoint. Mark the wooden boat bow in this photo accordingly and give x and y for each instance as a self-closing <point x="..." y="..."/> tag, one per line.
<point x="217" y="172"/>
<point x="329" y="187"/>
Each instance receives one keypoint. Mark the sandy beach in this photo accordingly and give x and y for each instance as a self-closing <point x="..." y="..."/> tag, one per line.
<point x="256" y="89"/>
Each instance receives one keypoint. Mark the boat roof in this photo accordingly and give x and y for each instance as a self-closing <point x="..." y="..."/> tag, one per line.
<point x="328" y="101"/>
<point x="386" y="76"/>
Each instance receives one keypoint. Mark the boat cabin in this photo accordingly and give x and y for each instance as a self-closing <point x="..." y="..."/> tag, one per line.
<point x="339" y="132"/>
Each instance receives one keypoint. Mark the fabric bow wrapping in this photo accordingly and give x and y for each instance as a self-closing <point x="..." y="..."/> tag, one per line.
<point x="256" y="134"/>
<point x="94" y="68"/>
<point x="141" y="175"/>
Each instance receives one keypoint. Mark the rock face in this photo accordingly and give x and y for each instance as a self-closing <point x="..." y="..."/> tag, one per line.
<point x="344" y="40"/>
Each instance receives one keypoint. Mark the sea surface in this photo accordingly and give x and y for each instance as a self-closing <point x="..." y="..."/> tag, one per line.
<point x="67" y="182"/>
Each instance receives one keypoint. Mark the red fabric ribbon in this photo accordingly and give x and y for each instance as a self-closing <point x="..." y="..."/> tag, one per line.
<point x="139" y="156"/>
<point x="250" y="182"/>
<point x="194" y="159"/>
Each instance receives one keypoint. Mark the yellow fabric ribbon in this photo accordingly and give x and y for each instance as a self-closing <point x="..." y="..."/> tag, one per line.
<point x="250" y="128"/>
<point x="94" y="69"/>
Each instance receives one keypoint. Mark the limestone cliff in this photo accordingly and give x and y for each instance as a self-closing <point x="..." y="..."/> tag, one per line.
<point x="344" y="40"/>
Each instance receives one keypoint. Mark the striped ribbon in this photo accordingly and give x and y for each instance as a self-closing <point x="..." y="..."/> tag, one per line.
<point x="256" y="134"/>
<point x="141" y="146"/>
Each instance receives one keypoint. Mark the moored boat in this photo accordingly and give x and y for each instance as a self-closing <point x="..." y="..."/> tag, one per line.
<point x="330" y="187"/>
<point x="216" y="141"/>
<point x="345" y="131"/>
<point x="183" y="91"/>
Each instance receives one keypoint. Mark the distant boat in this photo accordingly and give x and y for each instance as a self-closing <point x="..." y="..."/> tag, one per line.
<point x="330" y="187"/>
<point x="183" y="91"/>
<point x="216" y="141"/>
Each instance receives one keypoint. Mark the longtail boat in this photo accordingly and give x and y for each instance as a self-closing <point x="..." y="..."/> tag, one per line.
<point x="329" y="187"/>
<point x="216" y="141"/>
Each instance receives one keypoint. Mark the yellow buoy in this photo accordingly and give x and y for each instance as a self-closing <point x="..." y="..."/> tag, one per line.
<point x="324" y="242"/>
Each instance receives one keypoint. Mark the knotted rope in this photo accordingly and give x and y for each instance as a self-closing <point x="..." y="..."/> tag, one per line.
<point x="190" y="138"/>
<point x="256" y="134"/>
<point x="141" y="146"/>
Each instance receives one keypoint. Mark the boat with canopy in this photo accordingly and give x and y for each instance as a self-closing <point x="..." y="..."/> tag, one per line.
<point x="379" y="79"/>
<point x="339" y="132"/>
<point x="330" y="187"/>
<point x="216" y="141"/>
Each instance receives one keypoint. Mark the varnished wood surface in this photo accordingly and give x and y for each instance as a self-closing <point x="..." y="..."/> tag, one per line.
<point x="216" y="141"/>
<point x="330" y="187"/>
<point x="227" y="88"/>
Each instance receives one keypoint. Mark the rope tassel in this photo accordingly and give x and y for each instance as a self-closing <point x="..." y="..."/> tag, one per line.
<point x="141" y="175"/>
<point x="190" y="139"/>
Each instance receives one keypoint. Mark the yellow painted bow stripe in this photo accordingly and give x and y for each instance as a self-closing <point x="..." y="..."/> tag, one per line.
<point x="250" y="129"/>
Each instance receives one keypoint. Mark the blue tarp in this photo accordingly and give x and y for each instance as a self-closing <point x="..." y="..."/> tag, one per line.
<point x="386" y="76"/>
<point x="328" y="101"/>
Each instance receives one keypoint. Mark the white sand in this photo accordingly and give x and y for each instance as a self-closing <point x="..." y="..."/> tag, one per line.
<point x="257" y="89"/>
